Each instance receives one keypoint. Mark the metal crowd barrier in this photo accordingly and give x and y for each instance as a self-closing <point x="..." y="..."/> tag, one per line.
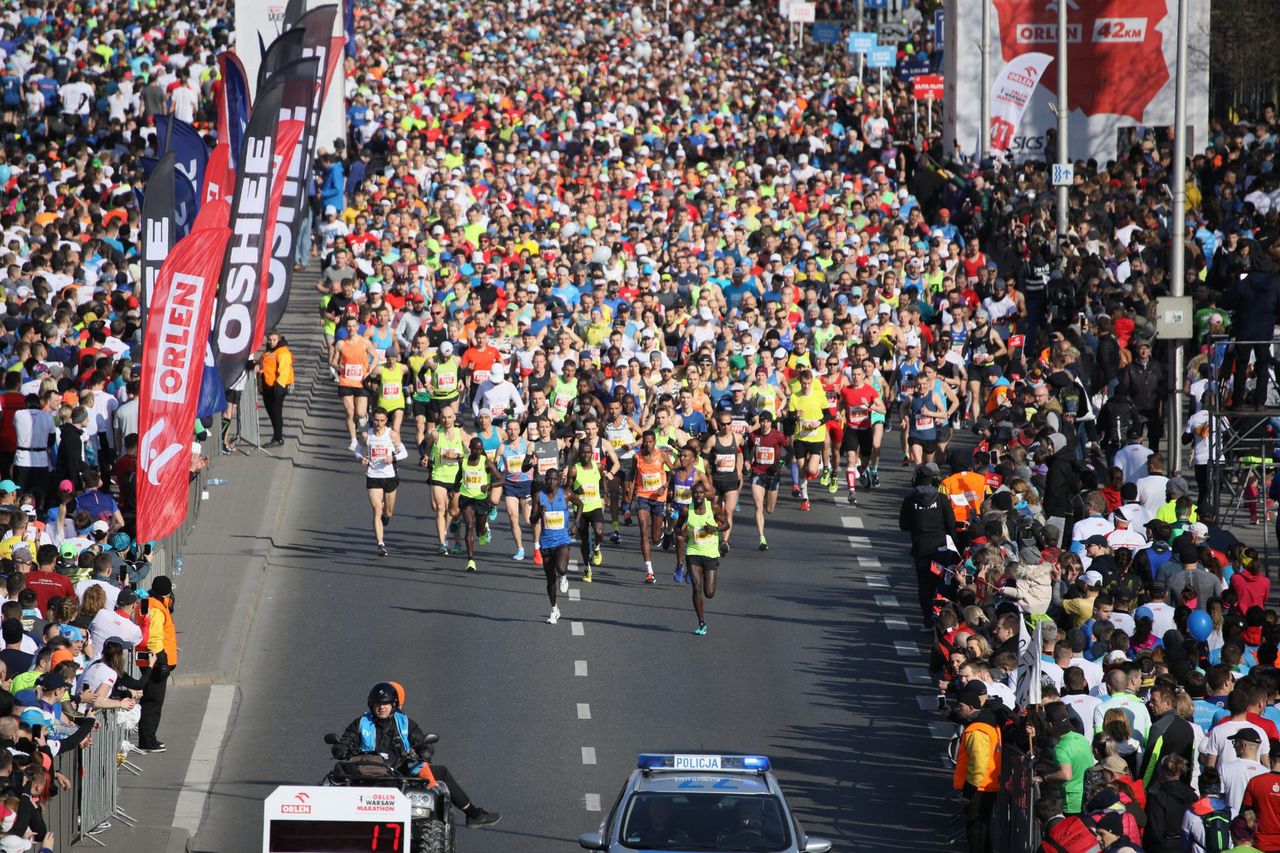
<point x="62" y="813"/>
<point x="99" y="764"/>
<point x="164" y="552"/>
<point x="1013" y="825"/>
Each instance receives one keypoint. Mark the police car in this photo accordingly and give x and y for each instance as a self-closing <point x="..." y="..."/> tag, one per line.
<point x="699" y="802"/>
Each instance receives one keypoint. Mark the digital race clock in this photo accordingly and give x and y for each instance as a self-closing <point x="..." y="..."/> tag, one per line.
<point x="316" y="819"/>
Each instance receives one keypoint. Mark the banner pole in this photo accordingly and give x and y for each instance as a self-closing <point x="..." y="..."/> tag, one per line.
<point x="984" y="136"/>
<point x="1062" y="122"/>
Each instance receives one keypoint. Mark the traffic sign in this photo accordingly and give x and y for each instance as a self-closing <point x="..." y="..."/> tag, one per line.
<point x="1064" y="174"/>
<point x="928" y="87"/>
<point x="802" y="12"/>
<point x="826" y="32"/>
<point x="882" y="56"/>
<point x="861" y="42"/>
<point x="892" y="32"/>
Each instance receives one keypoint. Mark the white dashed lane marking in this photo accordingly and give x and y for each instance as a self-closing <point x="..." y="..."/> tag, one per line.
<point x="859" y="542"/>
<point x="592" y="802"/>
<point x="876" y="581"/>
<point x="895" y="623"/>
<point x="584" y="711"/>
<point x="918" y="674"/>
<point x="907" y="649"/>
<point x="580" y="668"/>
<point x="941" y="731"/>
<point x="886" y="601"/>
<point x="851" y="521"/>
<point x="576" y="629"/>
<point x="575" y="595"/>
<point x="588" y="755"/>
<point x="869" y="562"/>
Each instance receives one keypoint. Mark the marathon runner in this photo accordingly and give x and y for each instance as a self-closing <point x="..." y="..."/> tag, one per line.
<point x="925" y="409"/>
<point x="808" y="405"/>
<point x="420" y="374"/>
<point x="517" y="483"/>
<point x="859" y="402"/>
<point x="622" y="433"/>
<point x="478" y="477"/>
<point x="587" y="480"/>
<point x="447" y="446"/>
<point x="491" y="437"/>
<point x="649" y="492"/>
<point x="353" y="357"/>
<point x="551" y="515"/>
<point x="378" y="452"/>
<point x="724" y="456"/>
<point x="387" y="382"/>
<point x="766" y="448"/>
<point x="444" y="384"/>
<point x="683" y="477"/>
<point x="544" y="454"/>
<point x="702" y="523"/>
<point x="833" y="383"/>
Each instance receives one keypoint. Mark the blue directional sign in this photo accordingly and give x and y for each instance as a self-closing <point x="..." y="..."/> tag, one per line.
<point x="938" y="29"/>
<point x="882" y="56"/>
<point x="861" y="42"/>
<point x="826" y="32"/>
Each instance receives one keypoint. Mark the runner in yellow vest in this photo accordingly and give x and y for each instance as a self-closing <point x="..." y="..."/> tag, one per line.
<point x="477" y="477"/>
<point x="588" y="481"/>
<point x="388" y="381"/>
<point x="702" y="522"/>
<point x="447" y="447"/>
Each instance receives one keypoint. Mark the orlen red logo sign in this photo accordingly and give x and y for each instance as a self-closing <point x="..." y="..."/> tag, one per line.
<point x="300" y="807"/>
<point x="1116" y="63"/>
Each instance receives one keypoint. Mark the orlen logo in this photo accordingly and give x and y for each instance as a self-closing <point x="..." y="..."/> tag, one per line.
<point x="1046" y="33"/>
<point x="300" y="807"/>
<point x="1119" y="29"/>
<point x="376" y="803"/>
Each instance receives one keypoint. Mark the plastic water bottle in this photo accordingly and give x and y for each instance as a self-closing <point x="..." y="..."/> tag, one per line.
<point x="216" y="482"/>
<point x="177" y="566"/>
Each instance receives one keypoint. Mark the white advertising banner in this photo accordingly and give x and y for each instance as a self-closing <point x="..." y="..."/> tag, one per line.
<point x="1011" y="93"/>
<point x="1120" y="68"/>
<point x="258" y="22"/>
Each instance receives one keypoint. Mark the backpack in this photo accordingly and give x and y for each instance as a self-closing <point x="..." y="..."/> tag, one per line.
<point x="1217" y="831"/>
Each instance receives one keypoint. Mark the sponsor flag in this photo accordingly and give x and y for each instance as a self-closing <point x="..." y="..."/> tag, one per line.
<point x="1011" y="93"/>
<point x="159" y="226"/>
<point x="185" y="207"/>
<point x="349" y="26"/>
<point x="290" y="131"/>
<point x="185" y="141"/>
<point x="301" y="102"/>
<point x="172" y="357"/>
<point x="285" y="50"/>
<point x="293" y="13"/>
<point x="237" y="300"/>
<point x="235" y="97"/>
<point x="218" y="177"/>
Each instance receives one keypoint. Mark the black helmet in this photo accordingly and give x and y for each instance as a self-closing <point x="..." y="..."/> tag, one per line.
<point x="383" y="692"/>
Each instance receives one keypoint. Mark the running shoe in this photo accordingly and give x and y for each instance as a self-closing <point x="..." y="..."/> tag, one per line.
<point x="833" y="485"/>
<point x="805" y="506"/>
<point x="471" y="565"/>
<point x="764" y="546"/>
<point x="906" y="460"/>
<point x="586" y="575"/>
<point x="486" y="537"/>
<point x="537" y="557"/>
<point x="668" y="541"/>
<point x="597" y="556"/>
<point x="554" y="617"/>
<point x="518" y="555"/>
<point x="493" y="512"/>
<point x="701" y="630"/>
<point x="875" y="479"/>
<point x="864" y="479"/>
<point x="825" y="477"/>
<point x="615" y="538"/>
<point x="626" y="518"/>
<point x="385" y="519"/>
<point x="382" y="550"/>
<point x="649" y="578"/>
<point x="455" y="550"/>
<point x="795" y="491"/>
<point x="678" y="575"/>
<point x="444" y="550"/>
<point x="564" y="583"/>
<point x="352" y="446"/>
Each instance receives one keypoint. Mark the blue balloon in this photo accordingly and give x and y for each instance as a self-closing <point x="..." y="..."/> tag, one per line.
<point x="1144" y="612"/>
<point x="1200" y="624"/>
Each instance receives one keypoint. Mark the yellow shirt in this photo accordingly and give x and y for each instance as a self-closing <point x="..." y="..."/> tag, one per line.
<point x="1079" y="609"/>
<point x="809" y="407"/>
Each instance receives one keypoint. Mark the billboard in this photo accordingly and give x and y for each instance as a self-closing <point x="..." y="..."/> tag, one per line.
<point x="1120" y="67"/>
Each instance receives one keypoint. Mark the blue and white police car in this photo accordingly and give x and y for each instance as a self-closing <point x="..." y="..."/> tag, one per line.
<point x="699" y="802"/>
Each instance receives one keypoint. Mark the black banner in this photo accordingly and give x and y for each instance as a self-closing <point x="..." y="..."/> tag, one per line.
<point x="318" y="25"/>
<point x="285" y="50"/>
<point x="293" y="13"/>
<point x="159" y="226"/>
<point x="233" y="332"/>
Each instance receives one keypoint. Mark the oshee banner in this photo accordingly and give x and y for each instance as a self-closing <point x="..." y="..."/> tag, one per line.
<point x="172" y="359"/>
<point x="159" y="225"/>
<point x="1012" y="92"/>
<point x="1121" y="57"/>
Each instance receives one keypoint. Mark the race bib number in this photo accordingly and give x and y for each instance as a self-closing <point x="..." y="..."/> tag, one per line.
<point x="379" y="453"/>
<point x="618" y="443"/>
<point x="481" y="376"/>
<point x="590" y="491"/>
<point x="555" y="519"/>
<point x="391" y="390"/>
<point x="545" y="465"/>
<point x="515" y="462"/>
<point x="448" y="382"/>
<point x="738" y="427"/>
<point x="353" y="371"/>
<point x="499" y="411"/>
<point x="859" y="415"/>
<point x="474" y="479"/>
<point x="650" y="482"/>
<point x="725" y="464"/>
<point x="924" y="423"/>
<point x="684" y="494"/>
<point x="765" y="455"/>
<point x="705" y="535"/>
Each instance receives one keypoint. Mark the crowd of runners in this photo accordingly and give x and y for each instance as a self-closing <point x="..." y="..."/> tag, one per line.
<point x="620" y="279"/>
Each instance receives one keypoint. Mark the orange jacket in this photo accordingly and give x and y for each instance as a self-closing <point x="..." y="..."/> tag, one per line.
<point x="158" y="634"/>
<point x="978" y="763"/>
<point x="966" y="490"/>
<point x="277" y="366"/>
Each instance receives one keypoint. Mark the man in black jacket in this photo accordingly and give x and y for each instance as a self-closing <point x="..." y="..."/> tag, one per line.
<point x="1253" y="300"/>
<point x="386" y="730"/>
<point x="926" y="513"/>
<point x="1062" y="481"/>
<point x="1143" y="381"/>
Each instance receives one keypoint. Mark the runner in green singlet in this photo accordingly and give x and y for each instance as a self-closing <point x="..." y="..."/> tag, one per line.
<point x="477" y="477"/>
<point x="702" y="523"/>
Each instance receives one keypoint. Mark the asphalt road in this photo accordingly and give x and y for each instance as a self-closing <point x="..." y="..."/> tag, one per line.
<point x="544" y="722"/>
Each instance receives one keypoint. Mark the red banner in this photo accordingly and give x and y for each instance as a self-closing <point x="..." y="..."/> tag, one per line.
<point x="218" y="177"/>
<point x="287" y="134"/>
<point x="172" y="361"/>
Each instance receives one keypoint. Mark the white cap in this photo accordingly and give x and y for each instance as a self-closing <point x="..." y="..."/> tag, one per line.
<point x="497" y="373"/>
<point x="1092" y="578"/>
<point x="446" y="348"/>
<point x="100" y="526"/>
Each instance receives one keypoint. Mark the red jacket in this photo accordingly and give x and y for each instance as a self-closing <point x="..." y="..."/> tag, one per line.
<point x="1251" y="589"/>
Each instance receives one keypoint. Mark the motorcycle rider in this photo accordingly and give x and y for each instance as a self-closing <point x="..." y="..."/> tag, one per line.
<point x="388" y="730"/>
